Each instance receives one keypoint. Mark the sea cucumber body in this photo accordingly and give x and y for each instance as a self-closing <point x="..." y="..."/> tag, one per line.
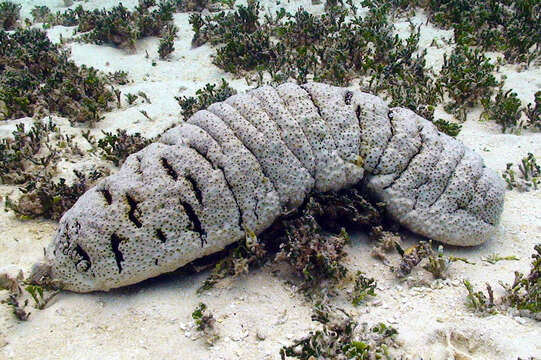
<point x="240" y="164"/>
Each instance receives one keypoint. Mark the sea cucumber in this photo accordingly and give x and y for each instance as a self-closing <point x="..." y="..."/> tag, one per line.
<point x="242" y="163"/>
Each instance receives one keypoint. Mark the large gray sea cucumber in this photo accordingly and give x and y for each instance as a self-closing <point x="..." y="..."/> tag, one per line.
<point x="240" y="164"/>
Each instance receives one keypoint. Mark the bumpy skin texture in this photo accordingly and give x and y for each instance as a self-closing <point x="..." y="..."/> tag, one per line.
<point x="240" y="164"/>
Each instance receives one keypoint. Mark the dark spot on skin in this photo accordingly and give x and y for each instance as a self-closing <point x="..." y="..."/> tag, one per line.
<point x="196" y="224"/>
<point x="107" y="195"/>
<point x="83" y="255"/>
<point x="133" y="209"/>
<point x="161" y="235"/>
<point x="348" y="97"/>
<point x="170" y="171"/>
<point x="119" y="258"/>
<point x="195" y="189"/>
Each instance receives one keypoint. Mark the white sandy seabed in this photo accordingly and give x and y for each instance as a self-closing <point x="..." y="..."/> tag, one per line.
<point x="152" y="320"/>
